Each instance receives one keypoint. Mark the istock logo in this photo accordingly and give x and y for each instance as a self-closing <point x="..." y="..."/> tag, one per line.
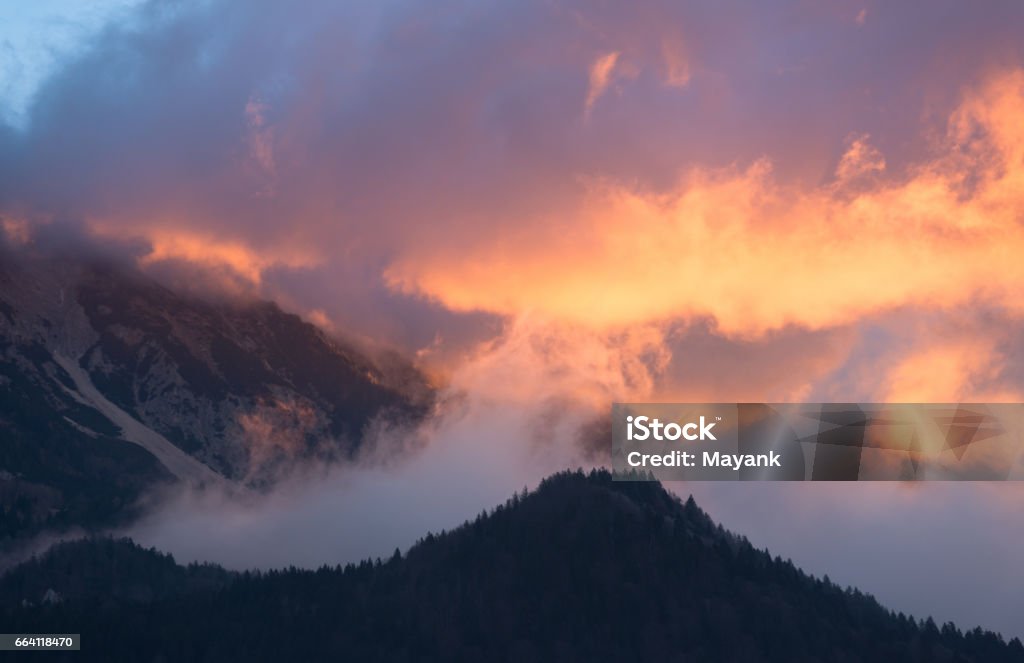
<point x="647" y="428"/>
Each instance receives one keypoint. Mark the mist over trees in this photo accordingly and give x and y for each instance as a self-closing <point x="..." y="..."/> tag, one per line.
<point x="582" y="569"/>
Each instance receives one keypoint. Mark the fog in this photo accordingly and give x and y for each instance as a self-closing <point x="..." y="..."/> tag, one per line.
<point x="474" y="460"/>
<point x="949" y="550"/>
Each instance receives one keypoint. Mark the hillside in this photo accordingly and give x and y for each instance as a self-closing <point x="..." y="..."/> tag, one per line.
<point x="582" y="569"/>
<point x="104" y="571"/>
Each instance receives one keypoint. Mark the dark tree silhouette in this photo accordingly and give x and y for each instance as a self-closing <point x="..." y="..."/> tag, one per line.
<point x="582" y="569"/>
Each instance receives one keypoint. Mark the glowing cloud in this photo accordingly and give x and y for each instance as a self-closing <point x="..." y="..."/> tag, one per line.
<point x="859" y="159"/>
<point x="756" y="255"/>
<point x="600" y="76"/>
<point x="959" y="369"/>
<point x="236" y="257"/>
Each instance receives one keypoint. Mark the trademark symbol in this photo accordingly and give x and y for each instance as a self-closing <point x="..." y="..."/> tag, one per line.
<point x="718" y="418"/>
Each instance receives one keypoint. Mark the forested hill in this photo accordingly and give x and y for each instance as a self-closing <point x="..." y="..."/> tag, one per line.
<point x="582" y="569"/>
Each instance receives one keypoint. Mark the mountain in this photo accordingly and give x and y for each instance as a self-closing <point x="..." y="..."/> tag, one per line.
<point x="111" y="384"/>
<point x="582" y="569"/>
<point x="105" y="570"/>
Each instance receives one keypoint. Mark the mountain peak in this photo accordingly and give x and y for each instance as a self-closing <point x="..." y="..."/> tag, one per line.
<point x="111" y="382"/>
<point x="527" y="581"/>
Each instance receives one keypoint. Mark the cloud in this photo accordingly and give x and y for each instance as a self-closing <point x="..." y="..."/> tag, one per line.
<point x="859" y="159"/>
<point x="429" y="167"/>
<point x="200" y="250"/>
<point x="950" y="371"/>
<point x="755" y="255"/>
<point x="600" y="76"/>
<point x="473" y="456"/>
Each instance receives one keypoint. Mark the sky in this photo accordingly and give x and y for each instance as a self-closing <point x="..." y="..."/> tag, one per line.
<point x="36" y="36"/>
<point x="554" y="204"/>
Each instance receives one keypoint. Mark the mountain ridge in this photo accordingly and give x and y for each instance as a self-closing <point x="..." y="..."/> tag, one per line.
<point x="582" y="568"/>
<point x="111" y="384"/>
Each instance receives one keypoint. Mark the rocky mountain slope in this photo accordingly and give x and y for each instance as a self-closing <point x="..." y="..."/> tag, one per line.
<point x="110" y="382"/>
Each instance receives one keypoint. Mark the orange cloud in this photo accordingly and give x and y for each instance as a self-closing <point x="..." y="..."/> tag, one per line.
<point x="859" y="159"/>
<point x="536" y="361"/>
<point x="277" y="428"/>
<point x="600" y="76"/>
<point x="238" y="258"/>
<point x="755" y="254"/>
<point x="16" y="231"/>
<point x="959" y="370"/>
